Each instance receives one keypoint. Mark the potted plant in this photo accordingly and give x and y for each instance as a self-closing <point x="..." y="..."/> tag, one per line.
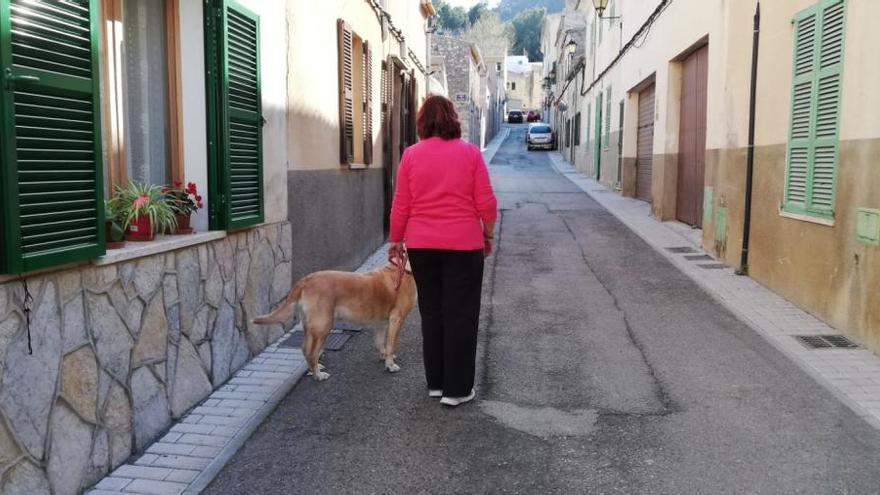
<point x="114" y="234"/>
<point x="144" y="210"/>
<point x="184" y="202"/>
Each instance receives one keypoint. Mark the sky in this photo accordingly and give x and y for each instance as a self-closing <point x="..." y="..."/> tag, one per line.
<point x="470" y="3"/>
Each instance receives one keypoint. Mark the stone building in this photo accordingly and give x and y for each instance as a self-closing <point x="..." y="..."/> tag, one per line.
<point x="100" y="350"/>
<point x="494" y="51"/>
<point x="465" y="71"/>
<point x="667" y="89"/>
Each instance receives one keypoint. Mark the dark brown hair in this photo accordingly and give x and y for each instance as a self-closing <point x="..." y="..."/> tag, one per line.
<point x="437" y="117"/>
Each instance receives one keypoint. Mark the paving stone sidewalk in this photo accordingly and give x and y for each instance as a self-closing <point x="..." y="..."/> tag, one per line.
<point x="852" y="375"/>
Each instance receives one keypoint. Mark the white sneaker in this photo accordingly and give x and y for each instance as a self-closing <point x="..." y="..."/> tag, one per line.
<point x="435" y="393"/>
<point x="454" y="401"/>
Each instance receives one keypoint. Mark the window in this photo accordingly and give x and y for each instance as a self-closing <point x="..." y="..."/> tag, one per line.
<point x="140" y="84"/>
<point x="513" y="86"/>
<point x="811" y="161"/>
<point x="51" y="173"/>
<point x="235" y="118"/>
<point x="355" y="97"/>
<point x="497" y="66"/>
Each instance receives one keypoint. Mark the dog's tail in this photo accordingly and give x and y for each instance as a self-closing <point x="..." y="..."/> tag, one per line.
<point x="286" y="310"/>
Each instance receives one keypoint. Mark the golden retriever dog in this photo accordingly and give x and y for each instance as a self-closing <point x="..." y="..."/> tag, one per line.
<point x="379" y="298"/>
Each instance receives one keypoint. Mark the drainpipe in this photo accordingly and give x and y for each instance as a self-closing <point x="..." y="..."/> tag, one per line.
<point x="750" y="160"/>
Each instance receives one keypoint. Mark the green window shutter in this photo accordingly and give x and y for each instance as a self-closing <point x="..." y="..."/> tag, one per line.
<point x="608" y="118"/>
<point x="811" y="168"/>
<point x="237" y="134"/>
<point x="51" y="184"/>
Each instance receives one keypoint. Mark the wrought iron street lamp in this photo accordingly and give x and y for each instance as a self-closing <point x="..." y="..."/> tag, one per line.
<point x="600" y="6"/>
<point x="572" y="46"/>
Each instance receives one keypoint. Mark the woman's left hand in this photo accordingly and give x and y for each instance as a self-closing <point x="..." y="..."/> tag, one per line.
<point x="395" y="250"/>
<point x="488" y="246"/>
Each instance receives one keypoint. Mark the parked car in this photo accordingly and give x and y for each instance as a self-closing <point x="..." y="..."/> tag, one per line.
<point x="540" y="135"/>
<point x="533" y="116"/>
<point x="515" y="117"/>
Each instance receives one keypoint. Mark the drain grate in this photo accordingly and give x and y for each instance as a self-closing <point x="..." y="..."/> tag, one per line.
<point x="712" y="266"/>
<point x="347" y="326"/>
<point x="681" y="250"/>
<point x="334" y="341"/>
<point x="826" y="342"/>
<point x="699" y="257"/>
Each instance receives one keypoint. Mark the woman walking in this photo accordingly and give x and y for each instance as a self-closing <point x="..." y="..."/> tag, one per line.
<point x="444" y="210"/>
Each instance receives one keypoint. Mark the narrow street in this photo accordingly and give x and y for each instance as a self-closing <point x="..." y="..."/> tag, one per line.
<point x="603" y="369"/>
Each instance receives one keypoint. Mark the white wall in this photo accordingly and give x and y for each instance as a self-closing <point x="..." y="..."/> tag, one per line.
<point x="273" y="76"/>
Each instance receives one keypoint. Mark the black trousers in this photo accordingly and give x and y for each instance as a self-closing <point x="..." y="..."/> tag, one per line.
<point x="449" y="284"/>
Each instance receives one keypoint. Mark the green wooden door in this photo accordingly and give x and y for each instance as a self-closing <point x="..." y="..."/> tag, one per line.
<point x="235" y="115"/>
<point x="51" y="186"/>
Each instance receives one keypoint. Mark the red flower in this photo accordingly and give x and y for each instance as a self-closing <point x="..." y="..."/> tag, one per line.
<point x="140" y="201"/>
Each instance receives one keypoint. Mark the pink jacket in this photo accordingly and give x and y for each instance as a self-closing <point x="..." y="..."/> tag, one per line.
<point x="443" y="194"/>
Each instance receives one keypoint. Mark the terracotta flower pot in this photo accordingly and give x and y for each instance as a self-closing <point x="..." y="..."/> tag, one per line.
<point x="140" y="230"/>
<point x="183" y="224"/>
<point x="108" y="237"/>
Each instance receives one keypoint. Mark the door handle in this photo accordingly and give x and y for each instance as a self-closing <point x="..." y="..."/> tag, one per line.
<point x="11" y="79"/>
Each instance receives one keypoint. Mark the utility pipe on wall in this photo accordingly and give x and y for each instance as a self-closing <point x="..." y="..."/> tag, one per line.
<point x="750" y="159"/>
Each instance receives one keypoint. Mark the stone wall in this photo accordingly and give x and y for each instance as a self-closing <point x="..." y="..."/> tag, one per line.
<point x="460" y="73"/>
<point x="121" y="350"/>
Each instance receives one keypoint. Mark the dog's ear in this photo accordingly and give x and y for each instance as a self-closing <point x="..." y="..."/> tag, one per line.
<point x="408" y="267"/>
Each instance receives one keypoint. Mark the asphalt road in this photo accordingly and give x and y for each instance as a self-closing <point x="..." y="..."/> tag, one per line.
<point x="603" y="369"/>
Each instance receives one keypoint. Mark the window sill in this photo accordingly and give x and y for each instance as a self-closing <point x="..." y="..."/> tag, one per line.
<point x="828" y="222"/>
<point x="357" y="166"/>
<point x="162" y="244"/>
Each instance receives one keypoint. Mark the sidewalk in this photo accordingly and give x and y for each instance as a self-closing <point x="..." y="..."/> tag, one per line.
<point x="852" y="375"/>
<point x="195" y="449"/>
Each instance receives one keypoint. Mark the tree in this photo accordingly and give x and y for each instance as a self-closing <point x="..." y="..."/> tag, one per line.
<point x="450" y="19"/>
<point x="509" y="9"/>
<point x="476" y="12"/>
<point x="527" y="27"/>
<point x="490" y="34"/>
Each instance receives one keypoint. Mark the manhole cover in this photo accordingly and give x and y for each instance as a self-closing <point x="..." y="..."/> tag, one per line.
<point x="698" y="257"/>
<point x="712" y="266"/>
<point x="681" y="250"/>
<point x="334" y="341"/>
<point x="826" y="342"/>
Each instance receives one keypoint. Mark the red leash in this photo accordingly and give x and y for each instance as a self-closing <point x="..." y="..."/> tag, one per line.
<point x="400" y="262"/>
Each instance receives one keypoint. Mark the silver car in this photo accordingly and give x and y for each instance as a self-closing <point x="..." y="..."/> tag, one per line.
<point x="540" y="135"/>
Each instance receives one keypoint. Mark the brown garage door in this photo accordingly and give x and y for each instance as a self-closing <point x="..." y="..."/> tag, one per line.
<point x="692" y="138"/>
<point x="645" y="153"/>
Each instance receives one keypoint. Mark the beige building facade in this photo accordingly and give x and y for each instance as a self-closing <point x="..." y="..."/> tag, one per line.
<point x="524" y="84"/>
<point x="666" y="94"/>
<point x="358" y="74"/>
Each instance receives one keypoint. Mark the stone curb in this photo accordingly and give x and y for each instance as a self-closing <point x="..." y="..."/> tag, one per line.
<point x="493" y="146"/>
<point x="864" y="407"/>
